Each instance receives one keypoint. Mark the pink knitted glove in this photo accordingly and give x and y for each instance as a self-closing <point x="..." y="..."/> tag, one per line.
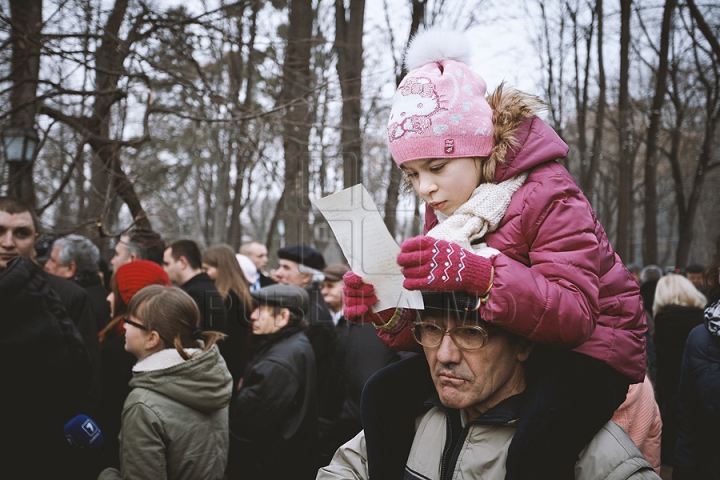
<point x="359" y="298"/>
<point x="440" y="266"/>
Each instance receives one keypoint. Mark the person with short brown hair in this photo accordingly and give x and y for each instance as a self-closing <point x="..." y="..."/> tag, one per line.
<point x="175" y="419"/>
<point x="273" y="416"/>
<point x="182" y="261"/>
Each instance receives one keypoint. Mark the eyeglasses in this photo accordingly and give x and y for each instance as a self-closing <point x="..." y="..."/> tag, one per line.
<point x="135" y="324"/>
<point x="466" y="337"/>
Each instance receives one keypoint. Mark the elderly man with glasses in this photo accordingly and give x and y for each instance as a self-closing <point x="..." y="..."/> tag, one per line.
<point x="479" y="377"/>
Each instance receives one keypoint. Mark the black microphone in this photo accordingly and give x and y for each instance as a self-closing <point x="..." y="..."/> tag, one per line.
<point x="83" y="433"/>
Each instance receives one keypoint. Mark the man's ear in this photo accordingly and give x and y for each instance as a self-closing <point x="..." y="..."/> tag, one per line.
<point x="133" y="257"/>
<point x="526" y="347"/>
<point x="283" y="319"/>
<point x="73" y="268"/>
<point x="307" y="278"/>
<point x="183" y="262"/>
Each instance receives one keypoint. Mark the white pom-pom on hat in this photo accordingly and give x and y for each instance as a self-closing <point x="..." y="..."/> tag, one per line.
<point x="435" y="44"/>
<point x="439" y="110"/>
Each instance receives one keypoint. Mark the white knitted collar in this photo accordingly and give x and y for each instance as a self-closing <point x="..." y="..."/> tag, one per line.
<point x="163" y="359"/>
<point x="480" y="215"/>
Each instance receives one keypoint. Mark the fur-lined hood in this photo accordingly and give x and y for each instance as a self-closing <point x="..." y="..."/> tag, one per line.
<point x="522" y="140"/>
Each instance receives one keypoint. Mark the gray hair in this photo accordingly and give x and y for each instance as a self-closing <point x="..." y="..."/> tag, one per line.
<point x="650" y="272"/>
<point x="317" y="275"/>
<point x="78" y="249"/>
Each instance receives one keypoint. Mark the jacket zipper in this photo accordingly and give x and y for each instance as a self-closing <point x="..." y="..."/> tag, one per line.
<point x="448" y="444"/>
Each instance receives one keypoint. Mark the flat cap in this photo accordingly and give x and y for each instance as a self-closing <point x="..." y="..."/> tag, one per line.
<point x="303" y="254"/>
<point x="335" y="271"/>
<point x="291" y="297"/>
<point x="450" y="301"/>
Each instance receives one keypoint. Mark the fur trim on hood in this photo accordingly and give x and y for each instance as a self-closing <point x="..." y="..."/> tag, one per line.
<point x="511" y="108"/>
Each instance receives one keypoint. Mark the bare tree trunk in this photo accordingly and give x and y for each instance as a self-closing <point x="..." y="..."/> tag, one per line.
<point x="587" y="181"/>
<point x="222" y="187"/>
<point x="416" y="225"/>
<point x="393" y="190"/>
<point x="296" y="89"/>
<point x="651" y="206"/>
<point x="107" y="176"/>
<point x="348" y="44"/>
<point x="235" y="232"/>
<point x="625" y="167"/>
<point x="687" y="212"/>
<point x="108" y="68"/>
<point x="391" y="202"/>
<point x="25" y="30"/>
<point x="704" y="27"/>
<point x="581" y="91"/>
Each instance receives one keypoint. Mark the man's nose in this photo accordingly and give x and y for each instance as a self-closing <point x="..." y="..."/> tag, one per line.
<point x="7" y="239"/>
<point x="448" y="352"/>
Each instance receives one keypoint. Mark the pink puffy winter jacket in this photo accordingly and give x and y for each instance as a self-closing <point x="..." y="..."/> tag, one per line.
<point x="558" y="280"/>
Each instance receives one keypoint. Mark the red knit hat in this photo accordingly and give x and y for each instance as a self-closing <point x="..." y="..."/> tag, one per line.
<point x="133" y="276"/>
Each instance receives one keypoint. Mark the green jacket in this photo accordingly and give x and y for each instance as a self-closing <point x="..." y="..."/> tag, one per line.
<point x="482" y="451"/>
<point x="175" y="420"/>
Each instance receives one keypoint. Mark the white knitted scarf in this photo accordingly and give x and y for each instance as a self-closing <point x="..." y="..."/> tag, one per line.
<point x="480" y="215"/>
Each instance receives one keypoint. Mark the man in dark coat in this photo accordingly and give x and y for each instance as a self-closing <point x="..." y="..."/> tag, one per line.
<point x="697" y="449"/>
<point x="183" y="263"/>
<point x="258" y="254"/>
<point x="273" y="417"/>
<point x="44" y="351"/>
<point x="302" y="266"/>
<point x="358" y="354"/>
<point x="19" y="228"/>
<point x="76" y="258"/>
<point x="138" y="244"/>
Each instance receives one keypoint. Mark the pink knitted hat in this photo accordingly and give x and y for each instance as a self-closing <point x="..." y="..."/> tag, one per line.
<point x="439" y="110"/>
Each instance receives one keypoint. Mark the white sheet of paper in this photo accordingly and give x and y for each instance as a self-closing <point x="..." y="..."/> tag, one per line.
<point x="368" y="245"/>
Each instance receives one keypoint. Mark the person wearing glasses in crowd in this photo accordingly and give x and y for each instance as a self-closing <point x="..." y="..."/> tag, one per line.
<point x="115" y="362"/>
<point x="479" y="374"/>
<point x="506" y="221"/>
<point x="175" y="419"/>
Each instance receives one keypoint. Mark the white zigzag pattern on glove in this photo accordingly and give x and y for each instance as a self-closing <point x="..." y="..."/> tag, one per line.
<point x="446" y="277"/>
<point x="431" y="277"/>
<point x="462" y="265"/>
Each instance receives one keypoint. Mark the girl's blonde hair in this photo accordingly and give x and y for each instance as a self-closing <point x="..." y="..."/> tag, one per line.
<point x="230" y="277"/>
<point x="677" y="290"/>
<point x="173" y="314"/>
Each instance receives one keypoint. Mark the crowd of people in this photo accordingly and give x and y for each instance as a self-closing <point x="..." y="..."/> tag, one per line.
<point x="184" y="361"/>
<point x="536" y="354"/>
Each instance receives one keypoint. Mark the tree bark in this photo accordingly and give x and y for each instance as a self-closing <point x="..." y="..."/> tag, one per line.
<point x="625" y="167"/>
<point x="349" y="48"/>
<point x="581" y="90"/>
<point x="587" y="183"/>
<point x="651" y="203"/>
<point x="396" y="177"/>
<point x="25" y="31"/>
<point x="297" y="86"/>
<point x="235" y="232"/>
<point x="704" y="27"/>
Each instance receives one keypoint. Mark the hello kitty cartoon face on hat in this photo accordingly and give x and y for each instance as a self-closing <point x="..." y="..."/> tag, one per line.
<point x="439" y="109"/>
<point x="415" y="103"/>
